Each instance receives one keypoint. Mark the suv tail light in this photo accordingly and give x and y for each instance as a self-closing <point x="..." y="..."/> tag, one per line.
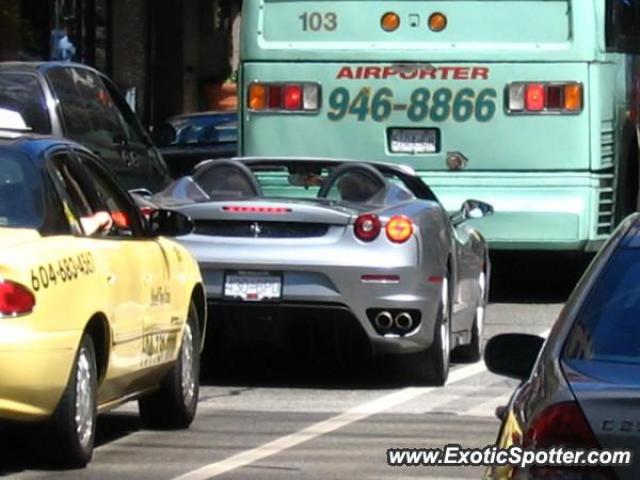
<point x="399" y="229"/>
<point x="544" y="98"/>
<point x="367" y="227"/>
<point x="562" y="425"/>
<point x="15" y="299"/>
<point x="290" y="97"/>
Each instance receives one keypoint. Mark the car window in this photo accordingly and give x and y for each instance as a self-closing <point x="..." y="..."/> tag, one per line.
<point x="23" y="94"/>
<point x="21" y="192"/>
<point x="608" y="326"/>
<point x="127" y="118"/>
<point x="108" y="197"/>
<point x="88" y="110"/>
<point x="91" y="197"/>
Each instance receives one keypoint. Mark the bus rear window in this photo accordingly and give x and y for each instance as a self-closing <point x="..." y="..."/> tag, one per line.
<point x="608" y="327"/>
<point x="486" y="24"/>
<point x="22" y="93"/>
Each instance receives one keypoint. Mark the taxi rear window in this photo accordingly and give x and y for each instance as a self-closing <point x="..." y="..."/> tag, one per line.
<point x="21" y="197"/>
<point x="23" y="94"/>
<point x="608" y="327"/>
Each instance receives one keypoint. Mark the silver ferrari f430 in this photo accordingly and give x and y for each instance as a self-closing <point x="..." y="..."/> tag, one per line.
<point x="366" y="247"/>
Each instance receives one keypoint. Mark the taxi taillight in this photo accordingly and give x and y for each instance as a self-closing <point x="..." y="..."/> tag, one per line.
<point x="278" y="97"/>
<point x="544" y="98"/>
<point x="15" y="299"/>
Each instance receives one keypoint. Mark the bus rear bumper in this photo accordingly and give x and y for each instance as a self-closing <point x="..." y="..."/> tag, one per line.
<point x="534" y="211"/>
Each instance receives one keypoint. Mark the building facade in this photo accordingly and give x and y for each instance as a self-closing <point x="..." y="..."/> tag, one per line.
<point x="166" y="54"/>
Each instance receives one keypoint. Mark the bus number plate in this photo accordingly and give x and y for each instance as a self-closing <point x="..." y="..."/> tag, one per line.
<point x="413" y="140"/>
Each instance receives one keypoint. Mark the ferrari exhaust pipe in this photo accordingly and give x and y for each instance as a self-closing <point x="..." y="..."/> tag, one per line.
<point x="404" y="321"/>
<point x="383" y="321"/>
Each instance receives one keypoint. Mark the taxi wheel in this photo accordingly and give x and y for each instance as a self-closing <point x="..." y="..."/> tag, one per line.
<point x="73" y="425"/>
<point x="174" y="404"/>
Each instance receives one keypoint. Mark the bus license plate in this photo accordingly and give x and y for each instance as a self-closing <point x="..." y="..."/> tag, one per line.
<point x="413" y="140"/>
<point x="253" y="286"/>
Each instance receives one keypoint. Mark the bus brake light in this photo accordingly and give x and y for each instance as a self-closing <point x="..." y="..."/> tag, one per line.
<point x="535" y="97"/>
<point x="284" y="97"/>
<point x="544" y="98"/>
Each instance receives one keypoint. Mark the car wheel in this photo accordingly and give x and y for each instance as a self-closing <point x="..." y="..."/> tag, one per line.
<point x="432" y="365"/>
<point x="473" y="351"/>
<point x="174" y="404"/>
<point x="73" y="425"/>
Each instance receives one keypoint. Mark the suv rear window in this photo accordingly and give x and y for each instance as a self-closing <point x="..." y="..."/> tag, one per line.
<point x="608" y="327"/>
<point x="22" y="93"/>
<point x="21" y="194"/>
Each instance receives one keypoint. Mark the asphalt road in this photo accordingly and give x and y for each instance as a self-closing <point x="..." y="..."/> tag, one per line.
<point x="291" y="421"/>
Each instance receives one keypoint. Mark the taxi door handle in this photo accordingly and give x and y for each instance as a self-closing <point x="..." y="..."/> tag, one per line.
<point x="111" y="278"/>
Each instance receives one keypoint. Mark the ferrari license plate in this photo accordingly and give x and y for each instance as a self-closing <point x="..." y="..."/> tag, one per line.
<point x="413" y="140"/>
<point x="253" y="286"/>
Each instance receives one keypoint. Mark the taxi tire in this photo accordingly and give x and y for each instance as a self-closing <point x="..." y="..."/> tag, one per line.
<point x="64" y="446"/>
<point x="166" y="408"/>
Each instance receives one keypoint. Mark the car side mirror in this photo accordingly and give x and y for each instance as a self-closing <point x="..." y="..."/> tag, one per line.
<point x="475" y="209"/>
<point x="513" y="354"/>
<point x="169" y="223"/>
<point x="164" y="135"/>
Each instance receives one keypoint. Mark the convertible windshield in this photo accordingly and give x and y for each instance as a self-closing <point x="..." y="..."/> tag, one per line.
<point x="21" y="197"/>
<point x="230" y="179"/>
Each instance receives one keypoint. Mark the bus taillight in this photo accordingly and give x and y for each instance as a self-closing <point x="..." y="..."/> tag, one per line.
<point x="283" y="97"/>
<point x="544" y="98"/>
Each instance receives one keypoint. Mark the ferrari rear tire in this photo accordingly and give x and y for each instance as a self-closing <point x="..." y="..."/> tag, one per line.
<point x="72" y="428"/>
<point x="173" y="406"/>
<point x="472" y="352"/>
<point x="431" y="366"/>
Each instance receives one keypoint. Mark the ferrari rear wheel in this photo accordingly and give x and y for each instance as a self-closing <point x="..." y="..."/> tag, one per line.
<point x="431" y="366"/>
<point x="174" y="404"/>
<point x="473" y="351"/>
<point x="73" y="425"/>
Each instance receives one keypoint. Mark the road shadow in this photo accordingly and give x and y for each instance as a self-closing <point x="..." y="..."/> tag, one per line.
<point x="535" y="277"/>
<point x="21" y="446"/>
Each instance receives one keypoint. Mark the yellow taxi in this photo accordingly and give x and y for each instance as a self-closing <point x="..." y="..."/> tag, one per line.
<point x="97" y="307"/>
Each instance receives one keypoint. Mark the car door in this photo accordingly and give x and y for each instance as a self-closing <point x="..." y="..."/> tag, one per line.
<point x="144" y="255"/>
<point x="469" y="266"/>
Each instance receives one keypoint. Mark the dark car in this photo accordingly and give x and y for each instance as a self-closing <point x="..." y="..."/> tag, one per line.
<point x="77" y="102"/>
<point x="581" y="388"/>
<point x="186" y="140"/>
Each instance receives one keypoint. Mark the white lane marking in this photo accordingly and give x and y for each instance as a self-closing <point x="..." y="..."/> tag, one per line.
<point x="332" y="424"/>
<point x="352" y="415"/>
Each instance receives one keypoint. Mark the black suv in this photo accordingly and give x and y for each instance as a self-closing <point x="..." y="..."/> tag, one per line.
<point x="80" y="103"/>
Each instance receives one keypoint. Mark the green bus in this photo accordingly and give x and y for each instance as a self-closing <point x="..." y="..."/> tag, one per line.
<point x="530" y="105"/>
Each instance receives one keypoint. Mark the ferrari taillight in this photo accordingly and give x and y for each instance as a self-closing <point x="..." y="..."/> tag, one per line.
<point x="15" y="299"/>
<point x="399" y="229"/>
<point x="367" y="227"/>
<point x="544" y="97"/>
<point x="279" y="97"/>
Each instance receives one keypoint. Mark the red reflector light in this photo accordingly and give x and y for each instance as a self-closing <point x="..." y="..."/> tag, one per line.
<point x="367" y="227"/>
<point x="275" y="97"/>
<point x="292" y="97"/>
<point x="15" y="299"/>
<point x="535" y="97"/>
<point x="255" y="209"/>
<point x="380" y="279"/>
<point x="562" y="424"/>
<point x="399" y="229"/>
